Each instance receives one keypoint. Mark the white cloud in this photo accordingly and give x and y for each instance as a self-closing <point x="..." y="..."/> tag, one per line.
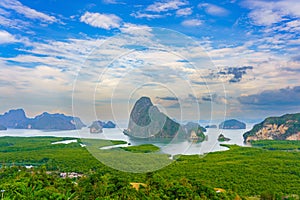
<point x="133" y="29"/>
<point x="109" y="1"/>
<point x="146" y="15"/>
<point x="265" y="13"/>
<point x="3" y="12"/>
<point x="192" y="22"/>
<point x="184" y="12"/>
<point x="213" y="9"/>
<point x="265" y="17"/>
<point x="166" y="6"/>
<point x="160" y="9"/>
<point x="26" y="11"/>
<point x="6" y="37"/>
<point x="13" y="23"/>
<point x="105" y="21"/>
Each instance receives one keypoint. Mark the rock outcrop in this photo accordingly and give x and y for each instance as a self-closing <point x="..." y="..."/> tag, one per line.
<point x="146" y="121"/>
<point x="222" y="138"/>
<point x="195" y="131"/>
<point x="232" y="124"/>
<point x="97" y="126"/>
<point x="286" y="127"/>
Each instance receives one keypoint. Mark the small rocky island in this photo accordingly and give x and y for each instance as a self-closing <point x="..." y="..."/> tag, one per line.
<point x="97" y="126"/>
<point x="195" y="131"/>
<point x="286" y="127"/>
<point x="222" y="138"/>
<point x="232" y="124"/>
<point x="17" y="119"/>
<point x="147" y="122"/>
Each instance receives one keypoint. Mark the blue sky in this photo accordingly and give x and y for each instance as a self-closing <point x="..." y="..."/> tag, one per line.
<point x="195" y="59"/>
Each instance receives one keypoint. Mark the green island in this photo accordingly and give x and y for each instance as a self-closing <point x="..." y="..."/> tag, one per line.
<point x="143" y="148"/>
<point x="262" y="172"/>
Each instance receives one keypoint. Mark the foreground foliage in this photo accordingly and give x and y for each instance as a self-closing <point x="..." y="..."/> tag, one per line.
<point x="239" y="173"/>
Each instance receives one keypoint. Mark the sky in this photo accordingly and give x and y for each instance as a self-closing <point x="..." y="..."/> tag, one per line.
<point x="197" y="60"/>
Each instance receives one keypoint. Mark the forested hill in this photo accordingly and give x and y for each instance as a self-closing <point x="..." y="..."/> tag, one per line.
<point x="286" y="127"/>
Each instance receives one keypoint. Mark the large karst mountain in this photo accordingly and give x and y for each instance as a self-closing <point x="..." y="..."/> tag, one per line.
<point x="146" y="121"/>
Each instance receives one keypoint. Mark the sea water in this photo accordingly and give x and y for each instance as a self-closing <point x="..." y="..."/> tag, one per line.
<point x="183" y="147"/>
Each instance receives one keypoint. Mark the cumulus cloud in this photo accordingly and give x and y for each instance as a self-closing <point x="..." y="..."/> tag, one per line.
<point x="237" y="73"/>
<point x="214" y="98"/>
<point x="265" y="13"/>
<point x="212" y="9"/>
<point x="146" y="15"/>
<point x="264" y="17"/>
<point x="165" y="6"/>
<point x="6" y="37"/>
<point x="231" y="74"/>
<point x="133" y="29"/>
<point x="160" y="9"/>
<point x="105" y="21"/>
<point x="192" y="22"/>
<point x="184" y="12"/>
<point x="281" y="97"/>
<point x="26" y="11"/>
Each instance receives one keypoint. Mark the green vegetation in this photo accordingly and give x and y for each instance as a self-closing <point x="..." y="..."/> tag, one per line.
<point x="277" y="144"/>
<point x="222" y="138"/>
<point x="292" y="121"/>
<point x="240" y="172"/>
<point x="116" y="142"/>
<point x="144" y="148"/>
<point x="125" y="160"/>
<point x="39" y="151"/>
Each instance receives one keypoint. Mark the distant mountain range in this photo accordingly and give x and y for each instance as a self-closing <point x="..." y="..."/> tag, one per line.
<point x="286" y="127"/>
<point x="146" y="121"/>
<point x="17" y="119"/>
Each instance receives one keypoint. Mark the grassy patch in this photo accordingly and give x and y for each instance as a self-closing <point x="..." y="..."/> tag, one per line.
<point x="116" y="142"/>
<point x="144" y="148"/>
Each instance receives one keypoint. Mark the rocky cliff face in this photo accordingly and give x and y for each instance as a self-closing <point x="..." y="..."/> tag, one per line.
<point x="146" y="121"/>
<point x="286" y="127"/>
